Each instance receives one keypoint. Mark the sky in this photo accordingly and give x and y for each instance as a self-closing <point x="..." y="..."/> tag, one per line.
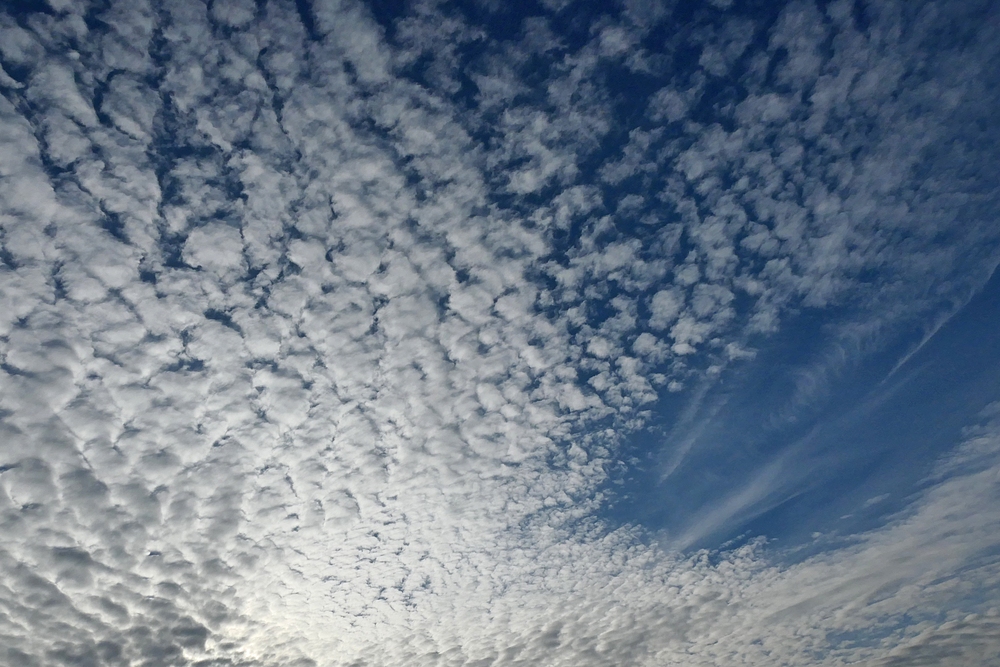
<point x="469" y="334"/>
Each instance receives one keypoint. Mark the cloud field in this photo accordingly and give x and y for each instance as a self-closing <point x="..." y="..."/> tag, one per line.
<point x="322" y="327"/>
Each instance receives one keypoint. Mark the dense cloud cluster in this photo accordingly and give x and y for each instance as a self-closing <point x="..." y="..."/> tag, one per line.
<point x="320" y="329"/>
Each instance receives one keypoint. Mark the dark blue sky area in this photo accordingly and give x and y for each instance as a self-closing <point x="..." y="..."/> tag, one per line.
<point x="759" y="462"/>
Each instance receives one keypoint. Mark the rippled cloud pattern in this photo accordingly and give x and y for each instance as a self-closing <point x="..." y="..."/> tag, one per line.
<point x="380" y="334"/>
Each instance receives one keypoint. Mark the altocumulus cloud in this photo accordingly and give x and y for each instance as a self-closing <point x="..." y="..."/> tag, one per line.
<point x="321" y="328"/>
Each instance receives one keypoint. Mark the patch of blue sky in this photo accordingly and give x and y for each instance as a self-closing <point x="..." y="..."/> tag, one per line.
<point x="750" y="454"/>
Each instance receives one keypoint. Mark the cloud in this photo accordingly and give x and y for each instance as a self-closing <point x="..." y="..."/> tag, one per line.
<point x="310" y="357"/>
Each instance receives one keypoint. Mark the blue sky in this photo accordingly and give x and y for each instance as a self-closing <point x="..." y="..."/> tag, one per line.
<point x="424" y="333"/>
<point x="836" y="465"/>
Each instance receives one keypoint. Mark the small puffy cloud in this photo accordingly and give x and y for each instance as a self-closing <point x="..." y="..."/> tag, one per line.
<point x="664" y="308"/>
<point x="233" y="13"/>
<point x="668" y="104"/>
<point x="215" y="247"/>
